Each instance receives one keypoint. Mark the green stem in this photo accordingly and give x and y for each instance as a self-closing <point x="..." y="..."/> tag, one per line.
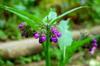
<point x="47" y="48"/>
<point x="62" y="60"/>
<point x="61" y="63"/>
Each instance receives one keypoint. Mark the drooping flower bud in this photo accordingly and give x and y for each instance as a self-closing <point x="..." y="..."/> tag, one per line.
<point x="21" y="26"/>
<point x="94" y="43"/>
<point x="42" y="39"/>
<point x="36" y="35"/>
<point x="54" y="39"/>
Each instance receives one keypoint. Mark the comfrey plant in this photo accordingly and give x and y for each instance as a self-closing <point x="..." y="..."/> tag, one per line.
<point x="48" y="31"/>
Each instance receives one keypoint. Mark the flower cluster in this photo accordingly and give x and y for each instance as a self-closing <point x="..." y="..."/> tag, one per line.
<point x="94" y="46"/>
<point x="54" y="37"/>
<point x="25" y="30"/>
<point x="55" y="34"/>
<point x="42" y="37"/>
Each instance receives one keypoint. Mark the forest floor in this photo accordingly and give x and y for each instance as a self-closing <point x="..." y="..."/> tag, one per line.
<point x="79" y="59"/>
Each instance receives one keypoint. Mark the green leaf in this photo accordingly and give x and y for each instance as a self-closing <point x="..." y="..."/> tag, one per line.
<point x="53" y="21"/>
<point x="28" y="60"/>
<point x="75" y="46"/>
<point x="66" y="38"/>
<point x="2" y="62"/>
<point x="9" y="63"/>
<point x="2" y="23"/>
<point x="3" y="36"/>
<point x="31" y="20"/>
<point x="52" y="15"/>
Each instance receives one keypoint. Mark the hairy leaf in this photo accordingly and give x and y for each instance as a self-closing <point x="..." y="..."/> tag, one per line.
<point x="66" y="38"/>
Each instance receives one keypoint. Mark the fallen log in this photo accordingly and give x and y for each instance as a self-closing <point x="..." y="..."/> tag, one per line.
<point x="19" y="48"/>
<point x="30" y="46"/>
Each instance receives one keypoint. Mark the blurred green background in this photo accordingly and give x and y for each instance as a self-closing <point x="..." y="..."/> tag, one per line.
<point x="87" y="17"/>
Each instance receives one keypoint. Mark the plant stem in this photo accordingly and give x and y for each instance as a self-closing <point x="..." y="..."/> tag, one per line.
<point x="47" y="48"/>
<point x="62" y="61"/>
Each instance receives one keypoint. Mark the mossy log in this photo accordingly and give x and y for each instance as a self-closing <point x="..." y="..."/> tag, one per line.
<point x="30" y="46"/>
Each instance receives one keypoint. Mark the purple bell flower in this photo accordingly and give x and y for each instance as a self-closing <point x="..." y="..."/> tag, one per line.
<point x="36" y="35"/>
<point x="55" y="32"/>
<point x="94" y="41"/>
<point x="21" y="26"/>
<point x="54" y="39"/>
<point x="58" y="34"/>
<point x="53" y="29"/>
<point x="94" y="46"/>
<point x="42" y="39"/>
<point x="93" y="49"/>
